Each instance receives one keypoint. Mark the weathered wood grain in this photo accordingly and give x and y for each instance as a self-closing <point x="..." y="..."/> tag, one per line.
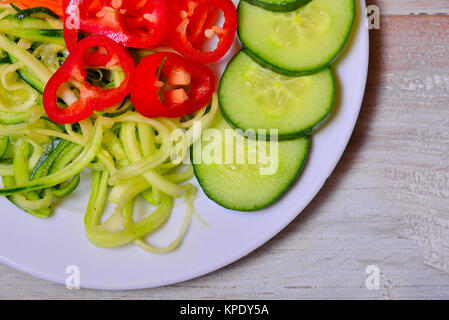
<point x="404" y="7"/>
<point x="386" y="204"/>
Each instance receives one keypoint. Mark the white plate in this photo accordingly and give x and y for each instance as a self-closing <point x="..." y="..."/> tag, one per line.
<point x="45" y="248"/>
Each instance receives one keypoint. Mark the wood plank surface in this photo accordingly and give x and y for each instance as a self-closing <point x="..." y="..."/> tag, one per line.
<point x="404" y="7"/>
<point x="385" y="205"/>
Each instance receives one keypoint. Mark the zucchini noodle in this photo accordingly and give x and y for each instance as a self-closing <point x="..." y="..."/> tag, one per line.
<point x="48" y="54"/>
<point x="45" y="202"/>
<point x="130" y="156"/>
<point x="14" y="90"/>
<point x="6" y="12"/>
<point x="188" y="200"/>
<point x="6" y="170"/>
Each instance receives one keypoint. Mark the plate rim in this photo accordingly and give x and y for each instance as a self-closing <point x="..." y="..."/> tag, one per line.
<point x="337" y="154"/>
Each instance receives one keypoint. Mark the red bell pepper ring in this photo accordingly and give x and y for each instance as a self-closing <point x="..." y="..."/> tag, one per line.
<point x="71" y="35"/>
<point x="194" y="24"/>
<point x="70" y="27"/>
<point x="139" y="24"/>
<point x="91" y="97"/>
<point x="204" y="21"/>
<point x="168" y="85"/>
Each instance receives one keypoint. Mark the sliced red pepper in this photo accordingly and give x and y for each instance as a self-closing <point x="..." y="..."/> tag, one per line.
<point x="70" y="26"/>
<point x="208" y="18"/>
<point x="195" y="22"/>
<point x="71" y="35"/>
<point x="168" y="85"/>
<point x="139" y="24"/>
<point x="91" y="97"/>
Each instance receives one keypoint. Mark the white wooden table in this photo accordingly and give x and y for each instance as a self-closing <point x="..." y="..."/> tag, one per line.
<point x="385" y="205"/>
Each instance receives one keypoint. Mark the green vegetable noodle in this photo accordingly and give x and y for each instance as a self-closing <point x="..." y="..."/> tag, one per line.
<point x="276" y="92"/>
<point x="130" y="156"/>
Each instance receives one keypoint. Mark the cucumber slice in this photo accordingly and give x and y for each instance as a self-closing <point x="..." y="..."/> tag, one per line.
<point x="299" y="42"/>
<point x="243" y="187"/>
<point x="252" y="97"/>
<point x="279" y="5"/>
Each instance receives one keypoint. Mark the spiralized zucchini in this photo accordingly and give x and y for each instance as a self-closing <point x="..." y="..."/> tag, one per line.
<point x="131" y="156"/>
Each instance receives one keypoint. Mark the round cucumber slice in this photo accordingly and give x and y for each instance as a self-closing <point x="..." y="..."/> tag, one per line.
<point x="252" y="97"/>
<point x="299" y="42"/>
<point x="279" y="5"/>
<point x="239" y="185"/>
